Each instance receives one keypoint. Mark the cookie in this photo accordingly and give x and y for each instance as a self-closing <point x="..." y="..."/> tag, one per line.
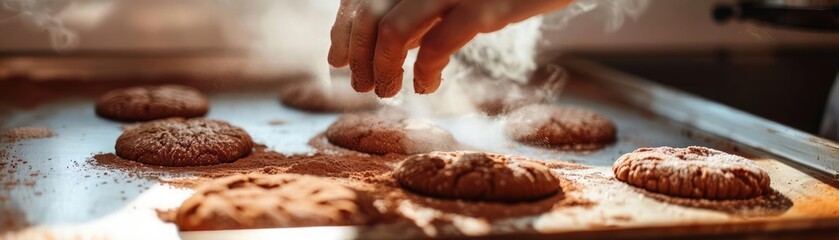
<point x="314" y="96"/>
<point x="501" y="106"/>
<point x="271" y="201"/>
<point x="496" y="98"/>
<point x="477" y="176"/>
<point x="184" y="142"/>
<point x="503" y="96"/>
<point x="146" y="103"/>
<point x="562" y="127"/>
<point x="692" y="172"/>
<point x="388" y="131"/>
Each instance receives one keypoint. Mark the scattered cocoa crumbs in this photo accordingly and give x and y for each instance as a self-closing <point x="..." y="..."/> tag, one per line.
<point x="20" y="133"/>
<point x="277" y="122"/>
<point x="12" y="218"/>
<point x="10" y="184"/>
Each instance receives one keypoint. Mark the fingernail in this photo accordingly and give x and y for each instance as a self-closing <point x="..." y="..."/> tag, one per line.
<point x="418" y="88"/>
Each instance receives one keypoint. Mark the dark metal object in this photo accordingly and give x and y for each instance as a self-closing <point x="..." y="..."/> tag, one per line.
<point x="818" y="15"/>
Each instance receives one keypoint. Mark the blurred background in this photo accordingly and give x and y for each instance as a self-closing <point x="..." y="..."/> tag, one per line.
<point x="783" y="74"/>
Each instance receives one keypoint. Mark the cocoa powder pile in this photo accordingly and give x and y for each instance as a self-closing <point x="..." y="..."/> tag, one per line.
<point x="20" y="133"/>
<point x="360" y="167"/>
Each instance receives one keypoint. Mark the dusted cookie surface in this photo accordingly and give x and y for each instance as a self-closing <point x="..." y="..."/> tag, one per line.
<point x="388" y="131"/>
<point x="561" y="127"/>
<point x="184" y="142"/>
<point x="313" y="96"/>
<point x="477" y="176"/>
<point x="692" y="172"/>
<point x="269" y="201"/>
<point x="146" y="103"/>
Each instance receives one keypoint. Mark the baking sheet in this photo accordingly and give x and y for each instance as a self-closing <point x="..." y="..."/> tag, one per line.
<point x="68" y="197"/>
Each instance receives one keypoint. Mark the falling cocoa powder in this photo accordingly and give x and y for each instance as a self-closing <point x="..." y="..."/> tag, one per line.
<point x="30" y="132"/>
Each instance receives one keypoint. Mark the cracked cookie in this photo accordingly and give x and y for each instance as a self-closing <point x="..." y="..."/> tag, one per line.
<point x="184" y="142"/>
<point x="146" y="103"/>
<point x="692" y="172"/>
<point x="477" y="176"/>
<point x="269" y="201"/>
<point x="312" y="96"/>
<point x="560" y="127"/>
<point x="388" y="131"/>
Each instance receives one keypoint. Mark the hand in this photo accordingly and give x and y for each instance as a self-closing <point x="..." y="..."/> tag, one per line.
<point x="374" y="36"/>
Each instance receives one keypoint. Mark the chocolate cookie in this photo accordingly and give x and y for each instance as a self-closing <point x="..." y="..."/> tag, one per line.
<point x="693" y="172"/>
<point x="146" y="103"/>
<point x="477" y="176"/>
<point x="270" y="201"/>
<point x="313" y="96"/>
<point x="561" y="127"/>
<point x="502" y="97"/>
<point x="388" y="131"/>
<point x="184" y="142"/>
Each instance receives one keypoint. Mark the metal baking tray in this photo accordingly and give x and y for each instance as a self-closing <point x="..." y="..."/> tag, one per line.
<point x="68" y="197"/>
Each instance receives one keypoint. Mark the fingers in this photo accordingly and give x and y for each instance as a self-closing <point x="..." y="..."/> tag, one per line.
<point x="362" y="43"/>
<point x="456" y="29"/>
<point x="460" y="25"/>
<point x="340" y="35"/>
<point x="404" y="24"/>
<point x="376" y="50"/>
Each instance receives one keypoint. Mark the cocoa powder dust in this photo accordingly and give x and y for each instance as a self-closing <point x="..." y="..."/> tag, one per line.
<point x="359" y="167"/>
<point x="20" y="133"/>
<point x="372" y="174"/>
